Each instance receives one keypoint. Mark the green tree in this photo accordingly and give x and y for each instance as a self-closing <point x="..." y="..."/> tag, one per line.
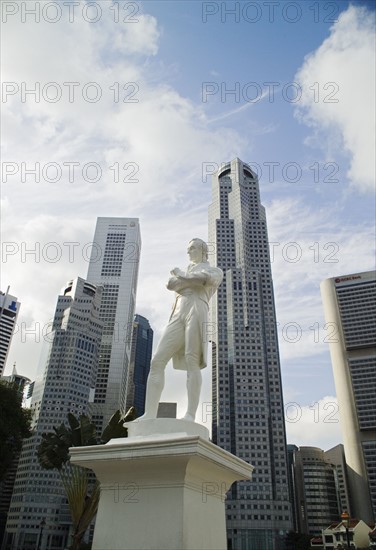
<point x="15" y="424"/>
<point x="80" y="485"/>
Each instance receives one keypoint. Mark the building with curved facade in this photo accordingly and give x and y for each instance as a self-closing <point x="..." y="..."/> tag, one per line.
<point x="316" y="490"/>
<point x="350" y="310"/>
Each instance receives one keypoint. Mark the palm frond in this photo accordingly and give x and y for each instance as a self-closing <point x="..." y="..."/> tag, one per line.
<point x="115" y="427"/>
<point x="88" y="431"/>
<point x="90" y="509"/>
<point x="75" y="481"/>
<point x="52" y="452"/>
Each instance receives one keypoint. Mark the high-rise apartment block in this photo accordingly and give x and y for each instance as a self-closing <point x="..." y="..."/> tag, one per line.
<point x="248" y="417"/>
<point x="114" y="265"/>
<point x="65" y="379"/>
<point x="142" y="347"/>
<point x="350" y="311"/>
<point x="9" y="308"/>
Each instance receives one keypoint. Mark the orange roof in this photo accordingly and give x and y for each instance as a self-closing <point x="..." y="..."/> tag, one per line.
<point x="353" y="522"/>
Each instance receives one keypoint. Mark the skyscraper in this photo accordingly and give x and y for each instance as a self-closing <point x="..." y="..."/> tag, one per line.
<point x="114" y="265"/>
<point x="291" y="451"/>
<point x="350" y="312"/>
<point x="316" y="490"/>
<point x="142" y="346"/>
<point x="9" y="308"/>
<point x="336" y="456"/>
<point x="65" y="379"/>
<point x="248" y="417"/>
<point x="22" y="382"/>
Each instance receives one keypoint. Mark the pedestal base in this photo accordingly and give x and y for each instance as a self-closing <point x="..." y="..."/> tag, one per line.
<point x="164" y="427"/>
<point x="161" y="492"/>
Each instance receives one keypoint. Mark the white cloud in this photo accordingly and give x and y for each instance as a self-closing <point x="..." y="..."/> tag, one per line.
<point x="315" y="424"/>
<point x="308" y="246"/>
<point x="338" y="91"/>
<point x="140" y="37"/>
<point x="139" y="121"/>
<point x="161" y="138"/>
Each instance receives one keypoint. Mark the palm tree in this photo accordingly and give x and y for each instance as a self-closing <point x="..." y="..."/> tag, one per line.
<point x="80" y="484"/>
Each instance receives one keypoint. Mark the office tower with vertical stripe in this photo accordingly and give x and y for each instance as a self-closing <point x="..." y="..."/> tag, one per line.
<point x="114" y="265"/>
<point x="248" y="415"/>
<point x="350" y="314"/>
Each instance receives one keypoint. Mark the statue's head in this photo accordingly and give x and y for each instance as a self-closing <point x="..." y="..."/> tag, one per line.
<point x="198" y="250"/>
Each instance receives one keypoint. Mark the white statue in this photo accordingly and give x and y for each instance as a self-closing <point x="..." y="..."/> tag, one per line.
<point x="183" y="339"/>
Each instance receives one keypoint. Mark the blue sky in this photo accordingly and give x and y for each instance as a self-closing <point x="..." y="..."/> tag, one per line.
<point x="175" y="64"/>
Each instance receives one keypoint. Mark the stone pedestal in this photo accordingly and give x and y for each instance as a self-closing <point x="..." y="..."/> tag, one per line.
<point x="163" y="490"/>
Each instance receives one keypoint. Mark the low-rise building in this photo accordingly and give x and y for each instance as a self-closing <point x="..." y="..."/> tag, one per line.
<point x="372" y="538"/>
<point x="317" y="543"/>
<point x="335" y="536"/>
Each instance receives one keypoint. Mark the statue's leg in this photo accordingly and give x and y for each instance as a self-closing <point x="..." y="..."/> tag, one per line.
<point x="169" y="344"/>
<point x="154" y="388"/>
<point x="194" y="383"/>
<point x="193" y="352"/>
